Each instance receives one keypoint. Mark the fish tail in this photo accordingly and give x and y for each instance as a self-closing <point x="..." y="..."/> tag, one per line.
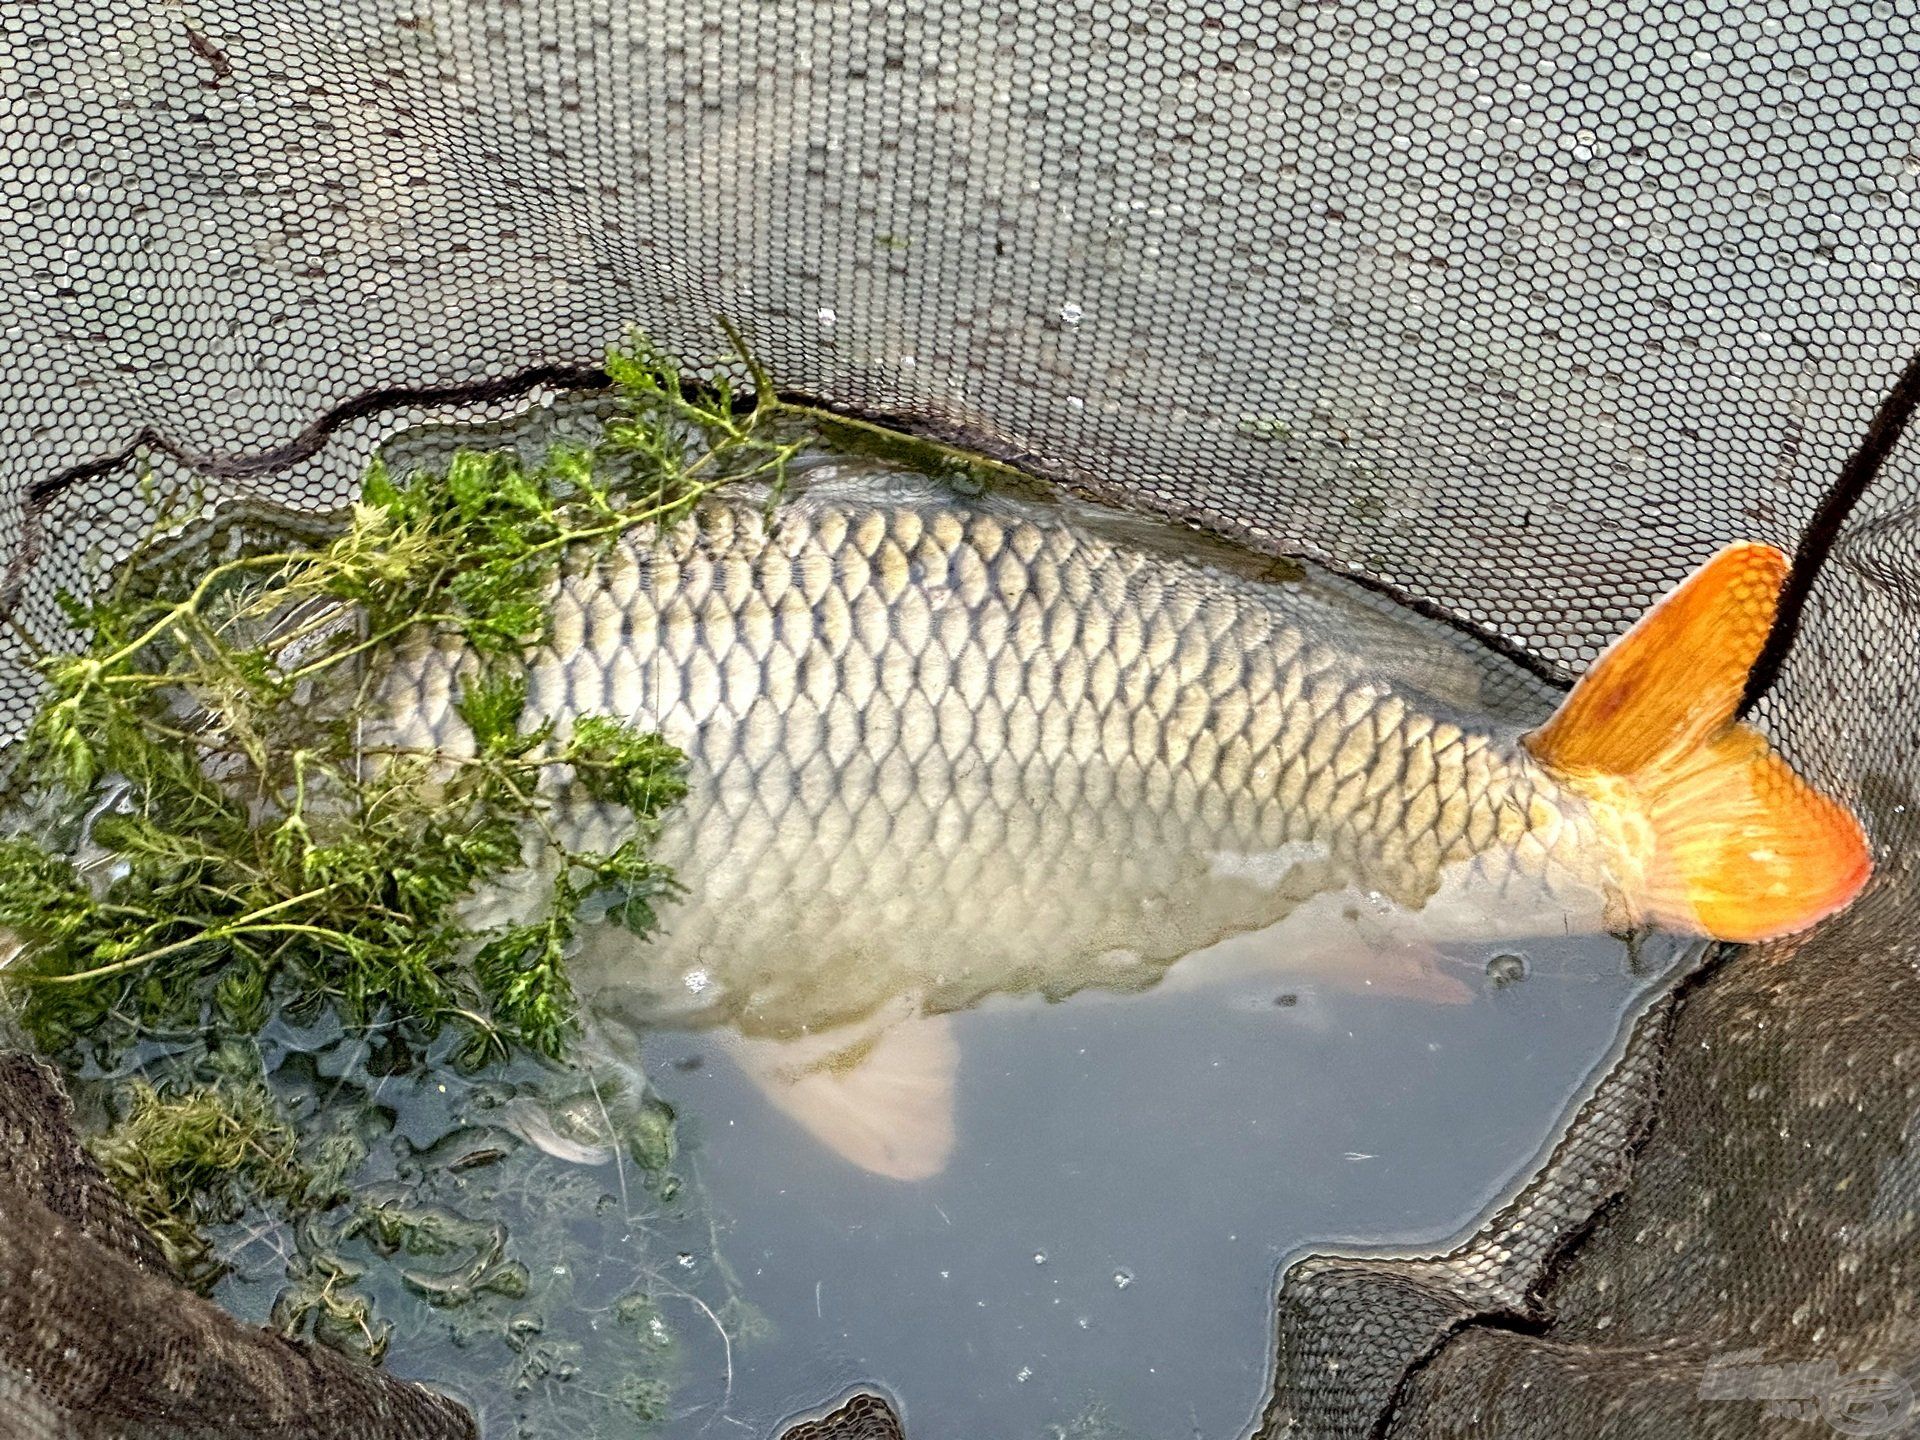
<point x="1734" y="844"/>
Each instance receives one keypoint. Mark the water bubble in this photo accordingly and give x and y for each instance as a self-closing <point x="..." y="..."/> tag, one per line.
<point x="1122" y="1278"/>
<point x="1039" y="1257"/>
<point x="1071" y="313"/>
<point x="1507" y="969"/>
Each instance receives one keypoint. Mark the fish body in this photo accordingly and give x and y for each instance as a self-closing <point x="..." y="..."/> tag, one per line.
<point x="942" y="748"/>
<point x="957" y="748"/>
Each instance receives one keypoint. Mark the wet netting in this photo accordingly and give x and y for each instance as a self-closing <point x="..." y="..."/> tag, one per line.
<point x="1520" y="310"/>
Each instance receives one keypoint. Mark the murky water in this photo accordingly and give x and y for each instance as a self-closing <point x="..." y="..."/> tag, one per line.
<point x="1128" y="1176"/>
<point x="1131" y="1172"/>
<point x="1098" y="1260"/>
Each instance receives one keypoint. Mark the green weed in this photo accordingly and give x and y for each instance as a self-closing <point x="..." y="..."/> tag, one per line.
<point x="210" y="835"/>
<point x="199" y="1156"/>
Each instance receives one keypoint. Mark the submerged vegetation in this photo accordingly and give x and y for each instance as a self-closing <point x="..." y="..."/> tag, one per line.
<point x="194" y="1157"/>
<point x="241" y="923"/>
<point x="211" y="833"/>
<point x="212" y="856"/>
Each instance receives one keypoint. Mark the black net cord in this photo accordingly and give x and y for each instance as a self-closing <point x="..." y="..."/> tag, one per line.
<point x="303" y="446"/>
<point x="1856" y="477"/>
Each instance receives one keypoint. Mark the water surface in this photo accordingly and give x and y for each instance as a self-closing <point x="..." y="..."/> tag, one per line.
<point x="1130" y="1176"/>
<point x="1098" y="1259"/>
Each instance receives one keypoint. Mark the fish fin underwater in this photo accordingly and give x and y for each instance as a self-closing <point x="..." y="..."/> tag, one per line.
<point x="1732" y="842"/>
<point x="878" y="1093"/>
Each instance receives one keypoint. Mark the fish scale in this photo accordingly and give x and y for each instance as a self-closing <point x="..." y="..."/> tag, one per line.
<point x="946" y="748"/>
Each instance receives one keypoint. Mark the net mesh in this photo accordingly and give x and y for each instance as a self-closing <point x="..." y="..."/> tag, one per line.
<point x="1519" y="310"/>
<point x="99" y="1342"/>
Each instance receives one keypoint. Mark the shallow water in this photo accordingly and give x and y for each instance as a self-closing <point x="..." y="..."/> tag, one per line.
<point x="1131" y="1174"/>
<point x="1099" y="1259"/>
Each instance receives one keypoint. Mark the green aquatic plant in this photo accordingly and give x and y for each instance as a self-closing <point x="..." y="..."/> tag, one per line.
<point x="207" y="828"/>
<point x="568" y="1295"/>
<point x="205" y="836"/>
<point x="205" y="832"/>
<point x="187" y="1158"/>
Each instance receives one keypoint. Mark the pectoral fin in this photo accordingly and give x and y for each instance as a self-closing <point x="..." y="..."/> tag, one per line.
<point x="879" y="1094"/>
<point x="1411" y="971"/>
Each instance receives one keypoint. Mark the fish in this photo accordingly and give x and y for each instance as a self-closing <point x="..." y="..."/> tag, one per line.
<point x="943" y="747"/>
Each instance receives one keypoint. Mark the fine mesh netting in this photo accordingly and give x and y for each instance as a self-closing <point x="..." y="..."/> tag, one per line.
<point x="1520" y="310"/>
<point x="99" y="1342"/>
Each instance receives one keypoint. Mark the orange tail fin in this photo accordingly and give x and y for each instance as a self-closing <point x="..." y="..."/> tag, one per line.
<point x="1742" y="847"/>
